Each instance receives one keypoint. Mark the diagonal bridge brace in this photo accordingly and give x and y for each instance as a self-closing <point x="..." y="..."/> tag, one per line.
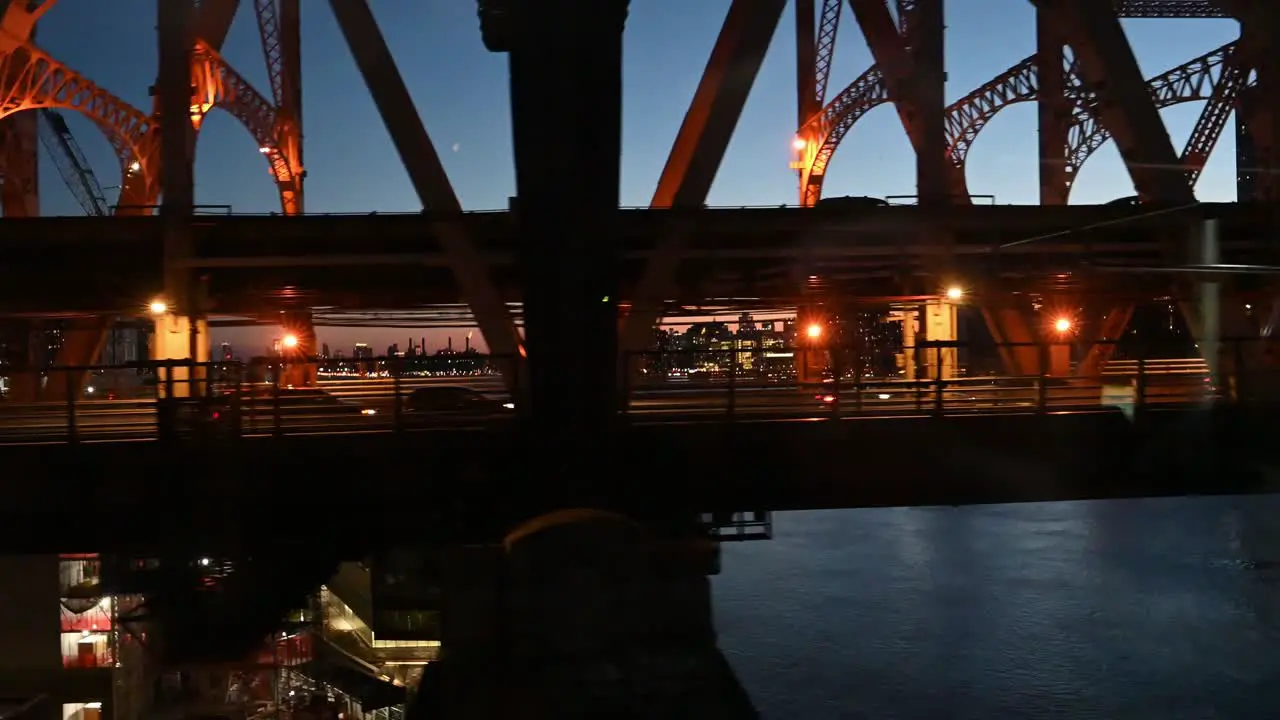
<point x="697" y="152"/>
<point x="409" y="135"/>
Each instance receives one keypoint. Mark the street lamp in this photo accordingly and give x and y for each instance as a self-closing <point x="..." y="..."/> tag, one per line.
<point x="158" y="307"/>
<point x="799" y="143"/>
<point x="290" y="341"/>
<point x="1062" y="325"/>
<point x="814" y="331"/>
<point x="954" y="292"/>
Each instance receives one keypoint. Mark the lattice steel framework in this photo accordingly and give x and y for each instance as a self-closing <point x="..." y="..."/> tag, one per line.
<point x="32" y="80"/>
<point x="1217" y="77"/>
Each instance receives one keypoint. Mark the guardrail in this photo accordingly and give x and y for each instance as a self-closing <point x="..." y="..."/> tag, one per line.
<point x="220" y="400"/>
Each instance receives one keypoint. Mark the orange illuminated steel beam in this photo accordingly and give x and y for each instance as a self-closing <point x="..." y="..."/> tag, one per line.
<point x="698" y="150"/>
<point x="409" y="135"/>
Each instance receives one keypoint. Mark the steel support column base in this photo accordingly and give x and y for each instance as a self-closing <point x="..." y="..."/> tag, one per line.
<point x="580" y="613"/>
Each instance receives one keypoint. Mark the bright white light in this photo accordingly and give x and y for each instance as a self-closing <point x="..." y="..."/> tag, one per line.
<point x="135" y="166"/>
<point x="290" y="341"/>
<point x="90" y="390"/>
<point x="509" y="406"/>
<point x="1062" y="325"/>
<point x="158" y="307"/>
<point x="264" y="150"/>
<point x="954" y="293"/>
<point x="799" y="144"/>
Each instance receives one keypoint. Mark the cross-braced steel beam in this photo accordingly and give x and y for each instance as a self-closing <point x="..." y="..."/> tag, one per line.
<point x="1110" y="71"/>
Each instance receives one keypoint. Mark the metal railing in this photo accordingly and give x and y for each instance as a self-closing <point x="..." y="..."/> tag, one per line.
<point x="933" y="378"/>
<point x="170" y="400"/>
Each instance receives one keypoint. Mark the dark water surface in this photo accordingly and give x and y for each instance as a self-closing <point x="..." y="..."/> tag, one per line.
<point x="1134" y="609"/>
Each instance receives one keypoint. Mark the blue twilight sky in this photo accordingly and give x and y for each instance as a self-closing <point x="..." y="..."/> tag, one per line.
<point x="461" y="91"/>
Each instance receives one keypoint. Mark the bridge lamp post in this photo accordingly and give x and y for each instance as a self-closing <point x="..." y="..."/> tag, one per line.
<point x="955" y="292"/>
<point x="158" y="307"/>
<point x="1059" y="351"/>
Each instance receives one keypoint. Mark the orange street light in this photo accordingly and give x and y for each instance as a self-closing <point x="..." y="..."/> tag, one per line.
<point x="1062" y="325"/>
<point x="814" y="331"/>
<point x="290" y="341"/>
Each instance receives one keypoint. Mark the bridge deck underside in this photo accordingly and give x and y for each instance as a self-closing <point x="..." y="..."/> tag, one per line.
<point x="478" y="484"/>
<point x="386" y="261"/>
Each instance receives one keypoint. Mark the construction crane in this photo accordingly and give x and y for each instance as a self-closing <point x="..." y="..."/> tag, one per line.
<point x="71" y="163"/>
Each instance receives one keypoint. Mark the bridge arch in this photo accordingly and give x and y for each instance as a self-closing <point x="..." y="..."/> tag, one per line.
<point x="218" y="85"/>
<point x="823" y="134"/>
<point x="1194" y="81"/>
<point x="39" y="81"/>
<point x="967" y="117"/>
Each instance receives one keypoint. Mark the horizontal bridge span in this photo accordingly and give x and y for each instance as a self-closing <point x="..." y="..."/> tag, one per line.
<point x="644" y="223"/>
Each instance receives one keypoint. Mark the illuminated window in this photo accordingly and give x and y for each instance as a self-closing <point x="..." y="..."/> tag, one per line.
<point x="79" y="576"/>
<point x="87" y="649"/>
<point x="82" y="711"/>
<point x="87" y="615"/>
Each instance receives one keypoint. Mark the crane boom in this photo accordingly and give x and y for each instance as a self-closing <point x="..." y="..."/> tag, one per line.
<point x="71" y="163"/>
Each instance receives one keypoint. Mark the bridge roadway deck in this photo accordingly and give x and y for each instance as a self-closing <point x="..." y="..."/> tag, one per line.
<point x="381" y="260"/>
<point x="461" y="486"/>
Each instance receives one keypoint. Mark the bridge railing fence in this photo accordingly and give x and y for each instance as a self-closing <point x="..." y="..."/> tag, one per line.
<point x="273" y="396"/>
<point x="939" y="378"/>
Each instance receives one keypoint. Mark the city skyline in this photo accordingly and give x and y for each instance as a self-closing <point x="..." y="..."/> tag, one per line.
<point x="461" y="92"/>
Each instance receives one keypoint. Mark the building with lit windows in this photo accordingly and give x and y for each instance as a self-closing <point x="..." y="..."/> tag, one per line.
<point x="61" y="650"/>
<point x="68" y="651"/>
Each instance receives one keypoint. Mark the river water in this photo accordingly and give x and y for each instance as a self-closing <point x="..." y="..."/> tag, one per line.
<point x="1132" y="609"/>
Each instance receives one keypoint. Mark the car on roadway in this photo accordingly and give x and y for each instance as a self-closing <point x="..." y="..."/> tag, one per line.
<point x="259" y="404"/>
<point x="450" y="403"/>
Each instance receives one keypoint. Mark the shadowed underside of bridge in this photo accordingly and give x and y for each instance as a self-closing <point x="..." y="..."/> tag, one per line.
<point x="470" y="486"/>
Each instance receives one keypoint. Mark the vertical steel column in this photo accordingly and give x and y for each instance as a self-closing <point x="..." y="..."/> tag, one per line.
<point x="289" y="123"/>
<point x="291" y="52"/>
<point x="20" y="193"/>
<point x="807" y="101"/>
<point x="173" y="89"/>
<point x="19" y="136"/>
<point x="1246" y="150"/>
<point x="928" y="83"/>
<point x="1054" y="110"/>
<point x="1263" y="25"/>
<point x="566" y="108"/>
